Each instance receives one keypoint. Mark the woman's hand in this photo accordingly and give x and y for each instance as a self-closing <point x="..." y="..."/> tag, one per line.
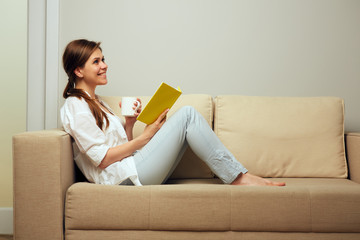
<point x="151" y="129"/>
<point x="130" y="120"/>
<point x="120" y="152"/>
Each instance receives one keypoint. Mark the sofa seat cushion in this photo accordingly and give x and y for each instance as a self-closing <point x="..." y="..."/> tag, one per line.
<point x="284" y="136"/>
<point x="304" y="205"/>
<point x="190" y="165"/>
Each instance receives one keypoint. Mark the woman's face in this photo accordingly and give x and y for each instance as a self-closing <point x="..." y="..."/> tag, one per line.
<point x="94" y="71"/>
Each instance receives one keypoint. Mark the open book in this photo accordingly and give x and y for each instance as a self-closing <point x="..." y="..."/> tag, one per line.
<point x="164" y="98"/>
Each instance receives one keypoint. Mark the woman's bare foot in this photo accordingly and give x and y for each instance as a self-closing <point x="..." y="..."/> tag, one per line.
<point x="248" y="179"/>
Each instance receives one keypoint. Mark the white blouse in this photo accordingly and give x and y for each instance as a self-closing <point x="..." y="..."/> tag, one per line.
<point x="91" y="143"/>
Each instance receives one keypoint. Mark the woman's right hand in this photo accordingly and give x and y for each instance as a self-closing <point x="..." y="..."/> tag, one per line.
<point x="151" y="129"/>
<point x="120" y="152"/>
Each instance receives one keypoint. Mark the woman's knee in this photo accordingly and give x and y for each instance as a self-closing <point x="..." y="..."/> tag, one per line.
<point x="186" y="114"/>
<point x="188" y="111"/>
<point x="187" y="108"/>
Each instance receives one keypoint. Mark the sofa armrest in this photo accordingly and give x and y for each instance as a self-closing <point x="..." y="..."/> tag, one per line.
<point x="43" y="171"/>
<point x="352" y="141"/>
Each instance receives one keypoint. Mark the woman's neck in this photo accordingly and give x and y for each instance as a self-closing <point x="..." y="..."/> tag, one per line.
<point x="87" y="89"/>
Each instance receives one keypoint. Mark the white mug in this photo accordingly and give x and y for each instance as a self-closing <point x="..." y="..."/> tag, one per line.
<point x="127" y="105"/>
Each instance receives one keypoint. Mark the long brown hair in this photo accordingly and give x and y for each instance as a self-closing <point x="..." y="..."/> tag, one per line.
<point x="76" y="55"/>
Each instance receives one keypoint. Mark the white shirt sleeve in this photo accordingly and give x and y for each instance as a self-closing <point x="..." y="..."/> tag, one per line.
<point x="79" y="122"/>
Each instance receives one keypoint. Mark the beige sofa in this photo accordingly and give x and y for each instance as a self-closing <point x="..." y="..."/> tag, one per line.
<point x="297" y="140"/>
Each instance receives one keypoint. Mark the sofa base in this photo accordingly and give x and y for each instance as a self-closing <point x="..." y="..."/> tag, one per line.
<point x="304" y="205"/>
<point x="175" y="235"/>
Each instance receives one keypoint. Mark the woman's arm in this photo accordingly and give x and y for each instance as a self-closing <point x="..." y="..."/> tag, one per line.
<point x="120" y="152"/>
<point x="129" y="132"/>
<point x="130" y="121"/>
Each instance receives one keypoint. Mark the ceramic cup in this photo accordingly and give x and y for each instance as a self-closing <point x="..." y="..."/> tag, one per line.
<point x="127" y="104"/>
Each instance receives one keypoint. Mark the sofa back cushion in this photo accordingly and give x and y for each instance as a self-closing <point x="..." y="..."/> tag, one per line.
<point x="284" y="136"/>
<point x="190" y="165"/>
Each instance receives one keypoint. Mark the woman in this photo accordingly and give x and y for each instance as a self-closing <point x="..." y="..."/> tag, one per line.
<point x="104" y="147"/>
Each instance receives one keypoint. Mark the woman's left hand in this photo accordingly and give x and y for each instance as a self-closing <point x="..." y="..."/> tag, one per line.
<point x="130" y="120"/>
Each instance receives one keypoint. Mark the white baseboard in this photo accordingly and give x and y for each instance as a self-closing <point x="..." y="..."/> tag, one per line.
<point x="6" y="220"/>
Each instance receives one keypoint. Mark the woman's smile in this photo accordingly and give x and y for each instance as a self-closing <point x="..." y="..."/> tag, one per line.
<point x="103" y="74"/>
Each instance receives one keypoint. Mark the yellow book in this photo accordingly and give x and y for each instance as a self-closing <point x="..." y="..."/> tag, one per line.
<point x="164" y="98"/>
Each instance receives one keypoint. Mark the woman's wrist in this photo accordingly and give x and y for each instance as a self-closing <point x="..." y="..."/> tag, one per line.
<point x="129" y="132"/>
<point x="144" y="138"/>
<point x="129" y="126"/>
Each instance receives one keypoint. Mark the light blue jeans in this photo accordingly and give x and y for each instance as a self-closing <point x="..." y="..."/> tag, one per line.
<point x="156" y="161"/>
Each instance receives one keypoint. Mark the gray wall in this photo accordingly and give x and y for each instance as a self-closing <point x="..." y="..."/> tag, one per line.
<point x="253" y="47"/>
